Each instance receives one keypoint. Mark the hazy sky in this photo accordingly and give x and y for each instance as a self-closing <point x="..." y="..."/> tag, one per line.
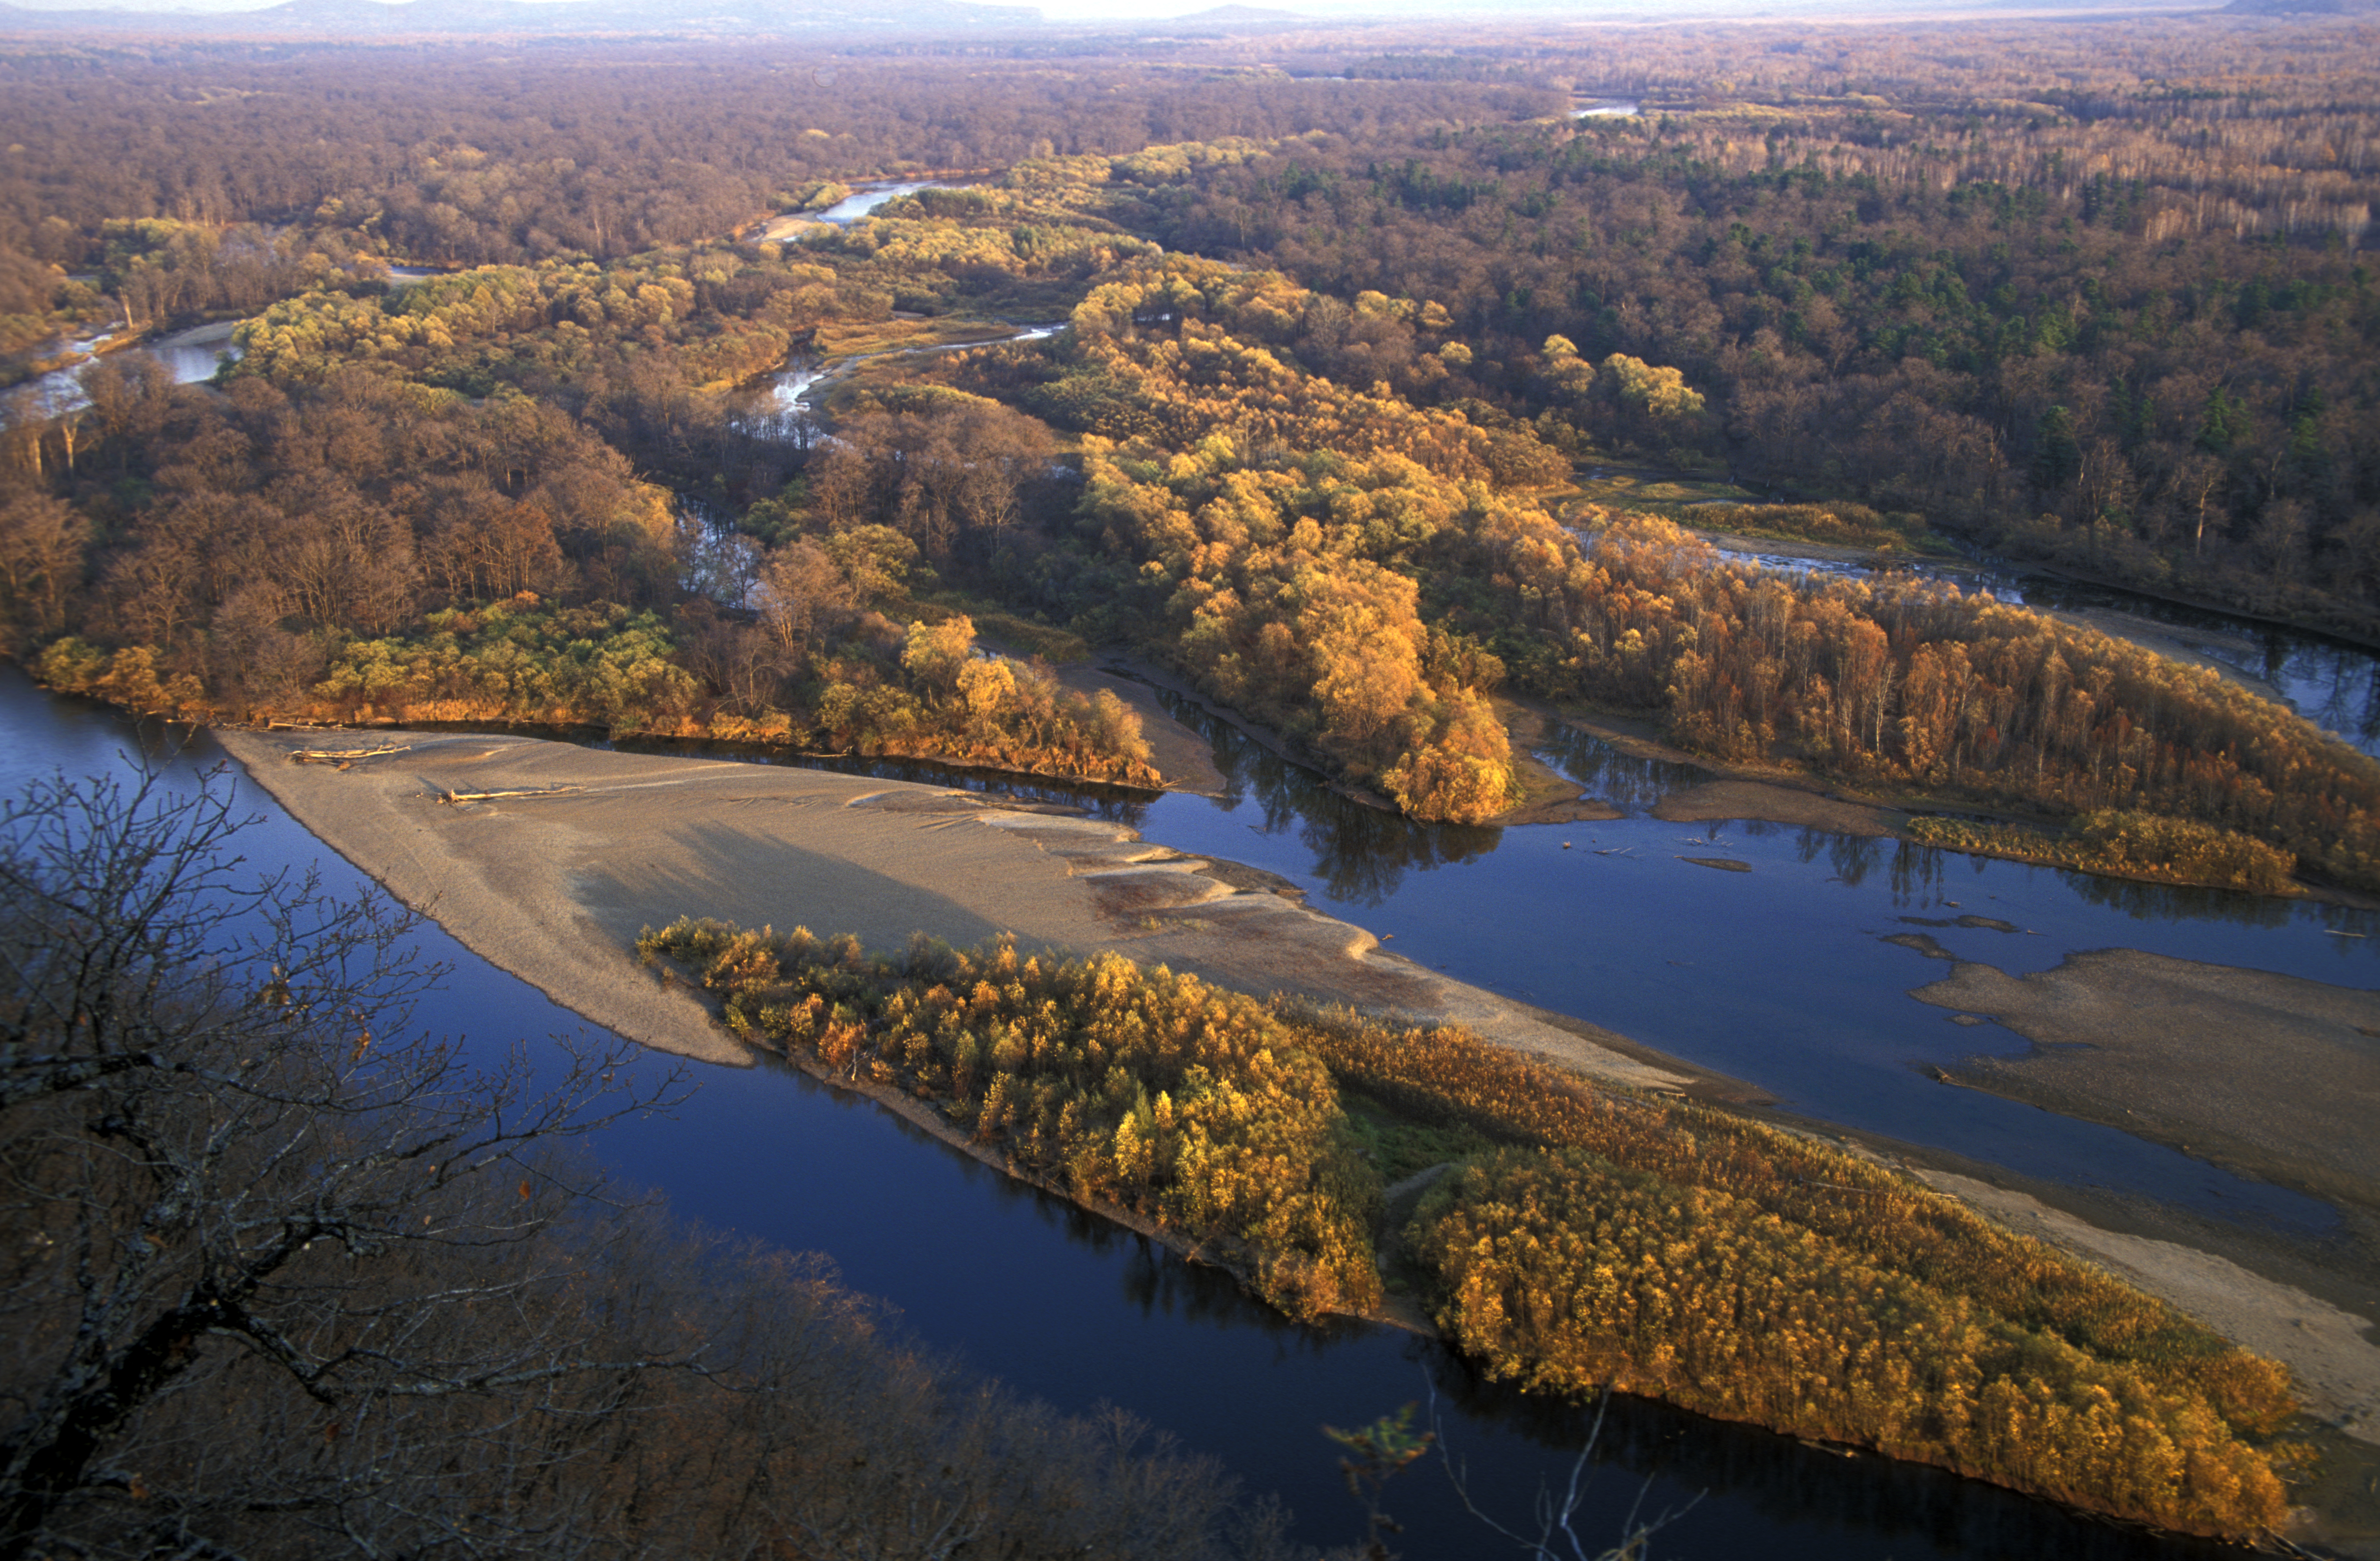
<point x="1055" y="10"/>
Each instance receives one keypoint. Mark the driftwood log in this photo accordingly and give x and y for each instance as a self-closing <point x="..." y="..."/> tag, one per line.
<point x="345" y="756"/>
<point x="500" y="796"/>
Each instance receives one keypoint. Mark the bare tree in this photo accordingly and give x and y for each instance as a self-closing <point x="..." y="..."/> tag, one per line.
<point x="278" y="1281"/>
<point x="1377" y="1453"/>
<point x="41" y="542"/>
<point x="800" y="590"/>
<point x="225" y="1166"/>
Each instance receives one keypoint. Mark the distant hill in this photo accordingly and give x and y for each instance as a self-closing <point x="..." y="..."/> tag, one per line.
<point x="2302" y="8"/>
<point x="371" y="18"/>
<point x="1234" y="19"/>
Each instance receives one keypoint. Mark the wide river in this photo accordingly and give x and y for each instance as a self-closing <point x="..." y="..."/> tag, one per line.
<point x="1778" y="976"/>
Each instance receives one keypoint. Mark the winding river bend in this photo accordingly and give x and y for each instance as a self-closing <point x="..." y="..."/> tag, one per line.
<point x="1780" y="976"/>
<point x="1066" y="1307"/>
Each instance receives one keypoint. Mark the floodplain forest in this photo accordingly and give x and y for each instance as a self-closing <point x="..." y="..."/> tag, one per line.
<point x="1598" y="1236"/>
<point x="1299" y="367"/>
<point x="1330" y="477"/>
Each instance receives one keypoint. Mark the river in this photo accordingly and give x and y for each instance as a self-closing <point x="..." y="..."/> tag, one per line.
<point x="1785" y="984"/>
<point x="1779" y="977"/>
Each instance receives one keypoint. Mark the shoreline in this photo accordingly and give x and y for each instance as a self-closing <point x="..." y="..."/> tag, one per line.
<point x="1961" y="564"/>
<point x="551" y="889"/>
<point x="1800" y="799"/>
<point x="554" y="890"/>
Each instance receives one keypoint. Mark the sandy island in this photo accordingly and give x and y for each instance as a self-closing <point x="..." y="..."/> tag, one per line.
<point x="555" y="888"/>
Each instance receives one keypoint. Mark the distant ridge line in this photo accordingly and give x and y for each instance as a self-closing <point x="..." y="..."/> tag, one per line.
<point x="372" y="19"/>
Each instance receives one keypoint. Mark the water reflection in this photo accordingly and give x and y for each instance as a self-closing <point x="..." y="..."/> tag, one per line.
<point x="1067" y="1306"/>
<point x="1641" y="1446"/>
<point x="1361" y="852"/>
<point x="1627" y="782"/>
<point x="2333" y="684"/>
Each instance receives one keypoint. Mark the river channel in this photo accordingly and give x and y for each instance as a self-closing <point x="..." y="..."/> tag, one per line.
<point x="1776" y="975"/>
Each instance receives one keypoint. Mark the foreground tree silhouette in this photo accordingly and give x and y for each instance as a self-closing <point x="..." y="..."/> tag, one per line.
<point x="227" y="1165"/>
<point x="279" y="1279"/>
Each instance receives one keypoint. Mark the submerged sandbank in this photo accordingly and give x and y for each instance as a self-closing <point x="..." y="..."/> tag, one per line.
<point x="2275" y="1075"/>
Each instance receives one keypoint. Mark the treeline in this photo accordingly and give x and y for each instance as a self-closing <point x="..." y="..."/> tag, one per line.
<point x="403" y="153"/>
<point x="1600" y="1238"/>
<point x="1264" y="526"/>
<point x="1916" y="684"/>
<point x="2123" y="330"/>
<point x="363" y="547"/>
<point x="1347" y="568"/>
<point x="2118" y="325"/>
<point x="1357" y="568"/>
<point x="1309" y="505"/>
<point x="1155" y="1092"/>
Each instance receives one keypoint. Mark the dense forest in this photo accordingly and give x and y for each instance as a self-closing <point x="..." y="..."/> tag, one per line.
<point x="1587" y="1237"/>
<point x="2101" y="306"/>
<point x="543" y="492"/>
<point x="1343" y="328"/>
<point x="1303" y="501"/>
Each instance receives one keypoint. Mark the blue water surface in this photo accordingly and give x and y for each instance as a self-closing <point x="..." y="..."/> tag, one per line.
<point x="1066" y="1307"/>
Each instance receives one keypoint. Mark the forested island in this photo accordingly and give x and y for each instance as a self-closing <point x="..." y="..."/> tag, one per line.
<point x="1292" y="372"/>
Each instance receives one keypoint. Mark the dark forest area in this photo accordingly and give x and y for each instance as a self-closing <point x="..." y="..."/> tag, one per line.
<point x="1285" y="364"/>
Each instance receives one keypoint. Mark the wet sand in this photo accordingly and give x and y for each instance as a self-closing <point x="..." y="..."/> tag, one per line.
<point x="555" y="887"/>
<point x="2274" y="1075"/>
<point x="1722" y="799"/>
<point x="1181" y="755"/>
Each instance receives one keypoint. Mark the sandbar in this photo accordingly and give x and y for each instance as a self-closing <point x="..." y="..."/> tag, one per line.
<point x="2272" y="1074"/>
<point x="555" y="886"/>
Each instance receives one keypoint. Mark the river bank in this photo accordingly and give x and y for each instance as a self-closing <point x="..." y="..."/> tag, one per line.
<point x="2130" y="628"/>
<point x="1719" y="791"/>
<point x="555" y="888"/>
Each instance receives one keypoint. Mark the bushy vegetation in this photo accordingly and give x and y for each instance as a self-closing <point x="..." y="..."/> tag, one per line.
<point x="1914" y="683"/>
<point x="2128" y="845"/>
<point x="876" y="690"/>
<point x="1562" y="1272"/>
<point x="1186" y="1104"/>
<point x="1588" y="1238"/>
<point x="1838" y="525"/>
<point x="1448" y="1077"/>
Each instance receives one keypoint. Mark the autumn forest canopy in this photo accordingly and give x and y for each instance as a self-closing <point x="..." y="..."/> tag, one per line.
<point x="1287" y="369"/>
<point x="1345" y="328"/>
